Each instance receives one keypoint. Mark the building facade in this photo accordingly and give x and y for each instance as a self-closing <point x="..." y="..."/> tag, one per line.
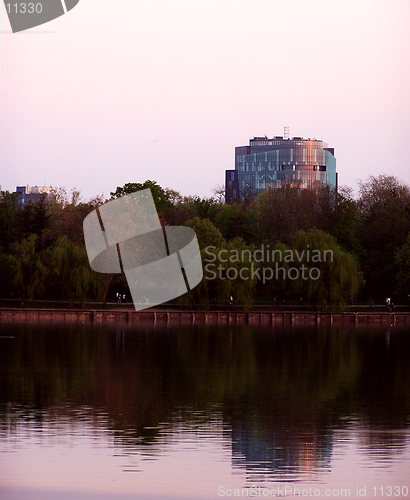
<point x="270" y="162"/>
<point x="29" y="194"/>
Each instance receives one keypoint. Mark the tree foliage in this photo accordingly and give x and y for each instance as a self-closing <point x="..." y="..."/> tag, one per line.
<point x="206" y="232"/>
<point x="234" y="221"/>
<point x="227" y="279"/>
<point x="9" y="209"/>
<point x="42" y="253"/>
<point x="161" y="197"/>
<point x="340" y="276"/>
<point x="344" y="221"/>
<point x="23" y="269"/>
<point x="402" y="260"/>
<point x="281" y="213"/>
<point x="384" y="205"/>
<point x="70" y="273"/>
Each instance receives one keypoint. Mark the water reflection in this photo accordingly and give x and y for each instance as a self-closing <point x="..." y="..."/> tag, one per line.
<point x="272" y="406"/>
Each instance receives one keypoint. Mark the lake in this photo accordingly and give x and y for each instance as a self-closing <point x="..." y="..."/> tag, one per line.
<point x="125" y="412"/>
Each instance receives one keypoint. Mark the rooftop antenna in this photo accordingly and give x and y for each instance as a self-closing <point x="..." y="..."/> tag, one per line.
<point x="286" y="132"/>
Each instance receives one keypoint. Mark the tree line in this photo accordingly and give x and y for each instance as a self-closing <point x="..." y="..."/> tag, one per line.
<point x="43" y="256"/>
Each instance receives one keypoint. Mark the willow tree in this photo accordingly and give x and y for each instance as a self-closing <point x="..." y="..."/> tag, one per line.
<point x="208" y="237"/>
<point x="70" y="272"/>
<point x="23" y="271"/>
<point x="228" y="274"/>
<point x="402" y="259"/>
<point x="328" y="275"/>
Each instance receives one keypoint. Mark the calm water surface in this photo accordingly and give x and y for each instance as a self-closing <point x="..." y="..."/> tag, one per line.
<point x="109" y="412"/>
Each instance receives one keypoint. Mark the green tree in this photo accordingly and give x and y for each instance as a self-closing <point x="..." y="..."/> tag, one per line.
<point x="234" y="221"/>
<point x="70" y="274"/>
<point x="23" y="271"/>
<point x="282" y="212"/>
<point x="9" y="209"/>
<point x="227" y="273"/>
<point x="270" y="284"/>
<point x="384" y="205"/>
<point x="162" y="198"/>
<point x="345" y="221"/>
<point x="206" y="232"/>
<point x="333" y="275"/>
<point x="185" y="208"/>
<point x="66" y="213"/>
<point x="33" y="218"/>
<point x="402" y="259"/>
<point x="206" y="208"/>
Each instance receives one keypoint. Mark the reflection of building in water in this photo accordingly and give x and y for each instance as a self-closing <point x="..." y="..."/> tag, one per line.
<point x="285" y="447"/>
<point x="382" y="445"/>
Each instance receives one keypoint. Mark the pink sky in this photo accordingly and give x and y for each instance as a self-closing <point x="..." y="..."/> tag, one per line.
<point x="116" y="92"/>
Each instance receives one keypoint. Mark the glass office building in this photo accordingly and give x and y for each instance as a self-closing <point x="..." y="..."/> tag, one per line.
<point x="271" y="162"/>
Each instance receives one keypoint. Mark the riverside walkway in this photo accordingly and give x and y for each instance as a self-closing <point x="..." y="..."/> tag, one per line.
<point x="185" y="317"/>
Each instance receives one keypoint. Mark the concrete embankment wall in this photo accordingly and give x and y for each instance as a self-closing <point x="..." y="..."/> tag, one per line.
<point x="163" y="317"/>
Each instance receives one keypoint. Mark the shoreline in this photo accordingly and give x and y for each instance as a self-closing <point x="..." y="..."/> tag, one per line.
<point x="165" y="317"/>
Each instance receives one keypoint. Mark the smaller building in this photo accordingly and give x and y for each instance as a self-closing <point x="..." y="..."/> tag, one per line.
<point x="32" y="193"/>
